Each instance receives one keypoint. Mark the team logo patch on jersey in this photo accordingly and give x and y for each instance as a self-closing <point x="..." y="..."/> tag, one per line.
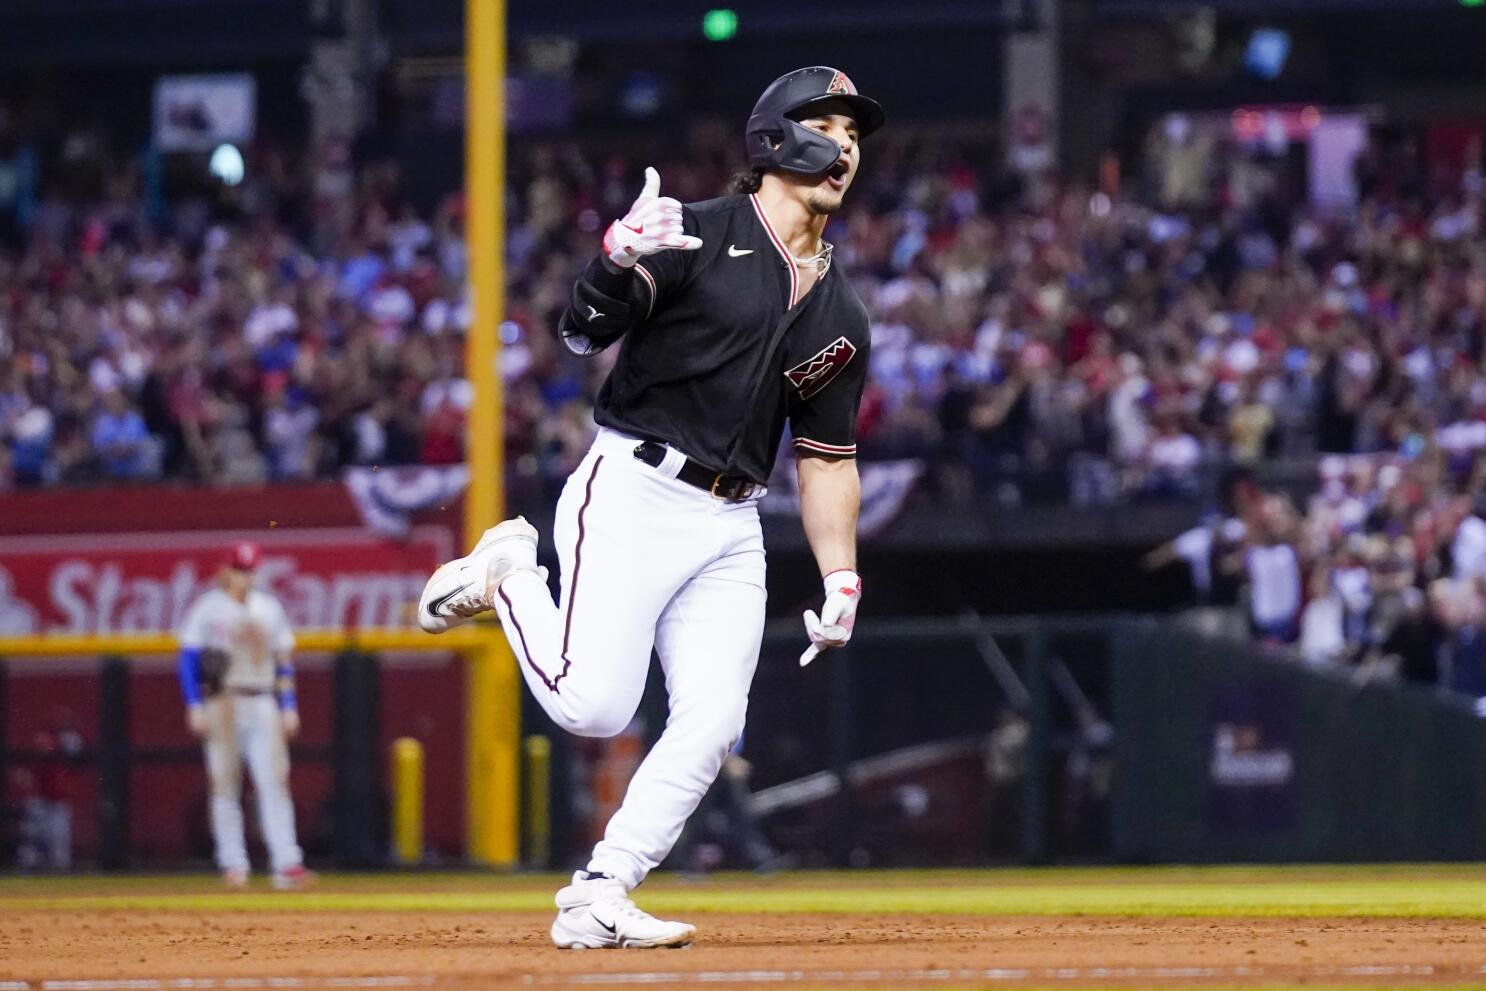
<point x="814" y="374"/>
<point x="840" y="84"/>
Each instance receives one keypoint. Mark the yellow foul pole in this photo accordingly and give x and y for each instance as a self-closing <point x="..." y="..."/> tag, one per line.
<point x="492" y="711"/>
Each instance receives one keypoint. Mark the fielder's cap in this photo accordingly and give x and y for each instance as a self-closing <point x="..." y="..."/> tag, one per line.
<point x="244" y="556"/>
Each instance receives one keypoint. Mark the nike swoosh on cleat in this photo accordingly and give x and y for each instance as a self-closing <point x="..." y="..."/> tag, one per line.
<point x="612" y="930"/>
<point x="437" y="604"/>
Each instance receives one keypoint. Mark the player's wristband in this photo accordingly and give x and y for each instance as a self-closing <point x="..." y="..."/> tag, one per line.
<point x="285" y="687"/>
<point x="843" y="580"/>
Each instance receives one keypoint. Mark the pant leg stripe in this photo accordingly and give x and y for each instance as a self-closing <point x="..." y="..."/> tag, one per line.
<point x="567" y="630"/>
<point x="521" y="635"/>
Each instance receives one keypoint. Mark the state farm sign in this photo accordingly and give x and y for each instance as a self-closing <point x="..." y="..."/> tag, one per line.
<point x="326" y="579"/>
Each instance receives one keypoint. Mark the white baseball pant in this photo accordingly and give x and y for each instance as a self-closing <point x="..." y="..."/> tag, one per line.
<point x="247" y="727"/>
<point x="646" y="560"/>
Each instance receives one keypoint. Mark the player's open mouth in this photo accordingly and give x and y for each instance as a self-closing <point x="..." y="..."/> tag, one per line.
<point x="836" y="175"/>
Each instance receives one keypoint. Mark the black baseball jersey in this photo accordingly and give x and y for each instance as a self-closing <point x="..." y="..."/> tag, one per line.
<point x="719" y="351"/>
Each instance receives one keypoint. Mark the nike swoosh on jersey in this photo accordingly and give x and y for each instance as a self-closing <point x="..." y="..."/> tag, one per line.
<point x="733" y="251"/>
<point x="437" y="604"/>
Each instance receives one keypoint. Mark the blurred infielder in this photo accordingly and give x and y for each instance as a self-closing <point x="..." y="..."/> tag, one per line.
<point x="237" y="678"/>
<point x="734" y="324"/>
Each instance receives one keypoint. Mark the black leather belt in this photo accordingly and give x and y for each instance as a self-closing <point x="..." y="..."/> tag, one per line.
<point x="731" y="488"/>
<point x="249" y="692"/>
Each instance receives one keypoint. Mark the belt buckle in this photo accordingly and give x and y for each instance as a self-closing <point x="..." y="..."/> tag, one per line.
<point x="742" y="490"/>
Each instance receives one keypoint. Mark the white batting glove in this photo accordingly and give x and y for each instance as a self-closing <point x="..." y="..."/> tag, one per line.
<point x="653" y="224"/>
<point x="838" y="615"/>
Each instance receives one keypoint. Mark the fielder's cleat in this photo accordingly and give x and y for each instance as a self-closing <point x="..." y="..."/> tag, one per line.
<point x="235" y="877"/>
<point x="465" y="587"/>
<point x="295" y="878"/>
<point x="595" y="913"/>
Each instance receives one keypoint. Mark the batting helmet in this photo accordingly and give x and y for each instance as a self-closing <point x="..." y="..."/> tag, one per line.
<point x="775" y="139"/>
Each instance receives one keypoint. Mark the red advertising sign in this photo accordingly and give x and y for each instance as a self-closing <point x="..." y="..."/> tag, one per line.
<point x="134" y="583"/>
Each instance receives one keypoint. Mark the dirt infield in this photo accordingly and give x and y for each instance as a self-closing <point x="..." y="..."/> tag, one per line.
<point x="52" y="950"/>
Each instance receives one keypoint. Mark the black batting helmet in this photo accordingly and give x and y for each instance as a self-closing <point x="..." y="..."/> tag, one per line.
<point x="776" y="140"/>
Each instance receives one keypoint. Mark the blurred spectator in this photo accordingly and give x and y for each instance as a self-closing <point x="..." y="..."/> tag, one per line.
<point x="124" y="448"/>
<point x="1273" y="571"/>
<point x="289" y="430"/>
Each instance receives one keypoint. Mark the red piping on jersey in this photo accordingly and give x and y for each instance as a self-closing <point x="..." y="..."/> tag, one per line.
<point x="789" y="259"/>
<point x="824" y="448"/>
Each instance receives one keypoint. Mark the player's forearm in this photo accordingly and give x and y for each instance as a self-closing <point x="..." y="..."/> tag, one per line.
<point x="830" y="499"/>
<point x="603" y="307"/>
<point x="284" y="685"/>
<point x="189" y="672"/>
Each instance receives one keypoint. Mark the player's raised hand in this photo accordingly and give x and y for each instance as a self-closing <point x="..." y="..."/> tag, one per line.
<point x="838" y="614"/>
<point x="653" y="224"/>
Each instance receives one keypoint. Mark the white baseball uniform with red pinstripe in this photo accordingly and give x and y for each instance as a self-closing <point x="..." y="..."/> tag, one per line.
<point x="725" y="343"/>
<point x="646" y="560"/>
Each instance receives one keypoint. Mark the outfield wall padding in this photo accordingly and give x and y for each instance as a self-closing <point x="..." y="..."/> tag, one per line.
<point x="1226" y="753"/>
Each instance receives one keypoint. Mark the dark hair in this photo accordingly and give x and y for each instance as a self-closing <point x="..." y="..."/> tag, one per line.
<point x="747" y="182"/>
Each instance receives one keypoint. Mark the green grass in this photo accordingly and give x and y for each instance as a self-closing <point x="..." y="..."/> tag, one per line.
<point x="1394" y="891"/>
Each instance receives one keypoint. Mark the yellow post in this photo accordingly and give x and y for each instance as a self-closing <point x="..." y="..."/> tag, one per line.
<point x="492" y="763"/>
<point x="492" y="723"/>
<point x="538" y="801"/>
<point x="485" y="235"/>
<point x="407" y="800"/>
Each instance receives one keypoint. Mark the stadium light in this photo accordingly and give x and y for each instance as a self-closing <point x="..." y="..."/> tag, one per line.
<point x="720" y="24"/>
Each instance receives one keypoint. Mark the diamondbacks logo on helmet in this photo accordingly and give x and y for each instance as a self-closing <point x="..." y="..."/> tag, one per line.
<point x="840" y="84"/>
<point x="814" y="374"/>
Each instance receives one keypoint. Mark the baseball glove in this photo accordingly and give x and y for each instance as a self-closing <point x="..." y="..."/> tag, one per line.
<point x="213" y="669"/>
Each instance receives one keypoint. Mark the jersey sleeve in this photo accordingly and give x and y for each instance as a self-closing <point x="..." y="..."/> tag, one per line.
<point x="193" y="630"/>
<point x="824" y="423"/>
<point x="607" y="304"/>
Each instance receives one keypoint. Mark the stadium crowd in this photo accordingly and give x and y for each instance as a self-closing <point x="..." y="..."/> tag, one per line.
<point x="1031" y="339"/>
<point x="1384" y="571"/>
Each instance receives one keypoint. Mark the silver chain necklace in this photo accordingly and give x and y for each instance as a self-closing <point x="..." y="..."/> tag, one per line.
<point x="821" y="259"/>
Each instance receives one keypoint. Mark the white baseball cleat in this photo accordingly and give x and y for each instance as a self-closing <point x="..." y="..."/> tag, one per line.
<point x="464" y="588"/>
<point x="235" y="877"/>
<point x="296" y="877"/>
<point x="597" y="914"/>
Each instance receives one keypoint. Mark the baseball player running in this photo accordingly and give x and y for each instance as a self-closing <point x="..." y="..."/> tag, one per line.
<point x="735" y="323"/>
<point x="237" y="679"/>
